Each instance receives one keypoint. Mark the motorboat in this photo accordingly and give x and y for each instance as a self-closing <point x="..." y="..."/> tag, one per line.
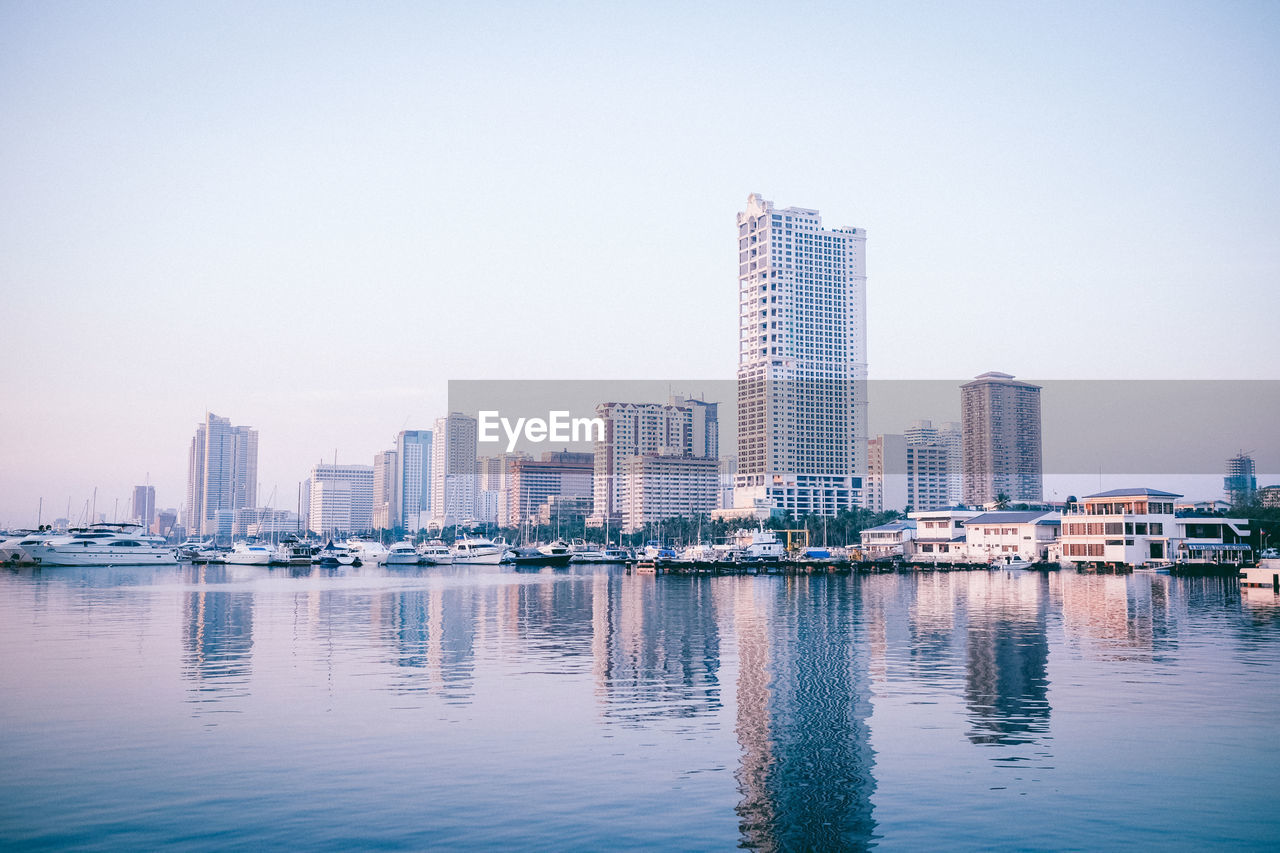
<point x="194" y="549"/>
<point x="477" y="549"/>
<point x="331" y="555"/>
<point x="250" y="554"/>
<point x="435" y="553"/>
<point x="557" y="548"/>
<point x="698" y="554"/>
<point x="402" y="554"/>
<point x="368" y="551"/>
<point x="583" y="551"/>
<point x="536" y="557"/>
<point x="104" y="544"/>
<point x="615" y="555"/>
<point x="760" y="544"/>
<point x="297" y="552"/>
<point x="13" y="549"/>
<point x="653" y="550"/>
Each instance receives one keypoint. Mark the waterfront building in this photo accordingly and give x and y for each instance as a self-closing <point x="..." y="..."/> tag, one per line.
<point x="1201" y="507"/>
<point x="144" y="505"/>
<point x="1018" y="535"/>
<point x="1130" y="527"/>
<point x="940" y="536"/>
<point x="888" y="540"/>
<point x="655" y="487"/>
<point x="340" y="499"/>
<point x="1202" y="538"/>
<point x="453" y="470"/>
<point x="801" y="361"/>
<point x="534" y="481"/>
<point x="1269" y="496"/>
<point x="681" y="427"/>
<point x="1000" y="440"/>
<point x="222" y="473"/>
<point x="264" y="522"/>
<point x="1240" y="483"/>
<point x="410" y="501"/>
<point x="385" y="515"/>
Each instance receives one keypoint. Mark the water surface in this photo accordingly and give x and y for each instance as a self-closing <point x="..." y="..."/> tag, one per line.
<point x="481" y="708"/>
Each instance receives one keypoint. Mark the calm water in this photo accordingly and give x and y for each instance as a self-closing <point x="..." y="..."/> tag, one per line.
<point x="479" y="708"/>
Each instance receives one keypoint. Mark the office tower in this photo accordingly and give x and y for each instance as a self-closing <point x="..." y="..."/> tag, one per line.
<point x="384" y="487"/>
<point x="453" y="469"/>
<point x="222" y="474"/>
<point x="886" y="484"/>
<point x="681" y="427"/>
<point x="144" y="505"/>
<point x="493" y="487"/>
<point x="411" y="500"/>
<point x="340" y="499"/>
<point x="948" y="436"/>
<point x="801" y="361"/>
<point x="1000" y="439"/>
<point x="1240" y="484"/>
<point x="534" y="481"/>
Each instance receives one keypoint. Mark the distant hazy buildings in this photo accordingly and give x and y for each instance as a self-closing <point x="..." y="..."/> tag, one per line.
<point x="916" y="471"/>
<point x="1269" y="496"/>
<point x="453" y="469"/>
<point x="683" y="427"/>
<point x="222" y="475"/>
<point x="886" y="484"/>
<point x="947" y="436"/>
<point x="144" y="505"/>
<point x="493" y="488"/>
<point x="1240" y="484"/>
<point x="1000" y="439"/>
<point x="801" y="361"/>
<point x="339" y="498"/>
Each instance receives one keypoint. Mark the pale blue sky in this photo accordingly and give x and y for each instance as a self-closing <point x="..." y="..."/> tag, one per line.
<point x="309" y="217"/>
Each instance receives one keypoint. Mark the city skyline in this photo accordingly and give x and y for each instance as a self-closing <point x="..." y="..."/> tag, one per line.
<point x="354" y="175"/>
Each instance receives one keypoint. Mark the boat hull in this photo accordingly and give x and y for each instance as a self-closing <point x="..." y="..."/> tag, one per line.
<point x="47" y="556"/>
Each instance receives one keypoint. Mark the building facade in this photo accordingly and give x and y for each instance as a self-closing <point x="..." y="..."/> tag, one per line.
<point x="340" y="499"/>
<point x="655" y="487"/>
<point x="385" y="515"/>
<point x="411" y="491"/>
<point x="947" y="435"/>
<point x="555" y="474"/>
<point x="1000" y="440"/>
<point x="144" y="506"/>
<point x="801" y="361"/>
<point x="1240" y="484"/>
<point x="681" y="427"/>
<point x="453" y="470"/>
<point x="1119" y="527"/>
<point x="222" y="474"/>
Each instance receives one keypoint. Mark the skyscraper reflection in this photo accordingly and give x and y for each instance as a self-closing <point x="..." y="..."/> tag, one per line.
<point x="804" y="698"/>
<point x="217" y="635"/>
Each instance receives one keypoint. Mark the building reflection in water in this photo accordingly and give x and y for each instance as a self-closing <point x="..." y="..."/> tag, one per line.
<point x="804" y="699"/>
<point x="1119" y="617"/>
<point x="432" y="635"/>
<point x="655" y="647"/>
<point x="1007" y="683"/>
<point x="217" y="628"/>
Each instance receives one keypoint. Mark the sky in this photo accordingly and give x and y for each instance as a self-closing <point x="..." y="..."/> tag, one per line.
<point x="310" y="217"/>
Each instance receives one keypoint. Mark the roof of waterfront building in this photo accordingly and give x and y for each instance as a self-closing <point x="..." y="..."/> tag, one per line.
<point x="892" y="526"/>
<point x="1009" y="517"/>
<point x="1125" y="493"/>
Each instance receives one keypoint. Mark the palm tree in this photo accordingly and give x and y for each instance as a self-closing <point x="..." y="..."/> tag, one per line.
<point x="1002" y="501"/>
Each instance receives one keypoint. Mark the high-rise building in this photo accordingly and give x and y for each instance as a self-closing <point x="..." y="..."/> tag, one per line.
<point x="534" y="481"/>
<point x="682" y="427"/>
<point x="453" y="469"/>
<point x="222" y="474"/>
<point x="802" y="361"/>
<point x="1000" y="439"/>
<point x="384" y="487"/>
<point x="886" y="484"/>
<point x="144" y="505"/>
<point x="948" y="436"/>
<point x="655" y="487"/>
<point x="906" y="476"/>
<point x="493" y="487"/>
<point x="1240" y="484"/>
<point x="340" y="498"/>
<point x="411" y="493"/>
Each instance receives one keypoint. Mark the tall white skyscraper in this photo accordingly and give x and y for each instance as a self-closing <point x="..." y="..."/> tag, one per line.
<point x="384" y="488"/>
<point x="802" y="361"/>
<point x="453" y="469"/>
<point x="222" y="473"/>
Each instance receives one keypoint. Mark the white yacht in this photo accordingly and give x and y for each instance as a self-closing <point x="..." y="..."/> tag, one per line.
<point x="760" y="544"/>
<point x="250" y="554"/>
<point x="585" y="552"/>
<point x="699" y="554"/>
<point x="478" y="549"/>
<point x="369" y="552"/>
<point x="13" y="548"/>
<point x="103" y="545"/>
<point x="435" y="553"/>
<point x="403" y="554"/>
